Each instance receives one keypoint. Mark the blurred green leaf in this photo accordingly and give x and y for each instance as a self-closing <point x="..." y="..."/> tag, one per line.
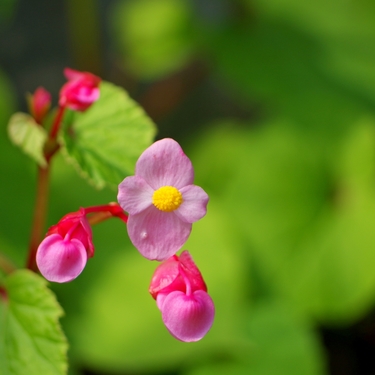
<point x="281" y="344"/>
<point x="154" y="37"/>
<point x="25" y="133"/>
<point x="31" y="338"/>
<point x="345" y="32"/>
<point x="7" y="8"/>
<point x="276" y="64"/>
<point x="105" y="142"/>
<point x="307" y="213"/>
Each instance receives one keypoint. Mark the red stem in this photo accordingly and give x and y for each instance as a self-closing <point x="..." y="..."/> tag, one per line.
<point x="56" y="124"/>
<point x="113" y="209"/>
<point x="39" y="218"/>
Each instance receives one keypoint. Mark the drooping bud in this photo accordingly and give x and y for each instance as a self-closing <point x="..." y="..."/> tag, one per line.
<point x="63" y="254"/>
<point x="39" y="104"/>
<point x="181" y="295"/>
<point x="81" y="90"/>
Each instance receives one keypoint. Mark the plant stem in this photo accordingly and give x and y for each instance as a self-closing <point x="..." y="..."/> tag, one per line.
<point x="39" y="218"/>
<point x="57" y="122"/>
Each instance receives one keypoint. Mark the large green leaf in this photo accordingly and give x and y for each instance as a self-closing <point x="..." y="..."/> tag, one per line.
<point x="104" y="142"/>
<point x="28" y="135"/>
<point x="31" y="340"/>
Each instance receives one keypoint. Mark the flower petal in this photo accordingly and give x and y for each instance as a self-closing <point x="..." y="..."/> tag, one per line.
<point x="59" y="260"/>
<point x="192" y="272"/>
<point x="188" y="318"/>
<point x="165" y="164"/>
<point x="157" y="235"/>
<point x="134" y="195"/>
<point x="194" y="205"/>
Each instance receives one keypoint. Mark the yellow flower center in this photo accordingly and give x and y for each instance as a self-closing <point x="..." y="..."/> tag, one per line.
<point x="167" y="198"/>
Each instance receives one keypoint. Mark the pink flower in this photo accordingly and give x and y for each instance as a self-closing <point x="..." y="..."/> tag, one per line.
<point x="181" y="295"/>
<point x="81" y="90"/>
<point x="39" y="104"/>
<point x="161" y="200"/>
<point x="63" y="254"/>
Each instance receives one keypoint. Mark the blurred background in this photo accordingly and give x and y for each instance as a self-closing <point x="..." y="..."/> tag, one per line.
<point x="274" y="102"/>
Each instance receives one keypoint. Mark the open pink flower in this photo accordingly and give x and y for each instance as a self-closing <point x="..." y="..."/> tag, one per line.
<point x="63" y="254"/>
<point x="81" y="90"/>
<point x="161" y="200"/>
<point x="181" y="295"/>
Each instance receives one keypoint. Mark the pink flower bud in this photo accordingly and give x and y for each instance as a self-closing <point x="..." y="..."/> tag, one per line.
<point x="39" y="104"/>
<point x="81" y="90"/>
<point x="181" y="295"/>
<point x="63" y="254"/>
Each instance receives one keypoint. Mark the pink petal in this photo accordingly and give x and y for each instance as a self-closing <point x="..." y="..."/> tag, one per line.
<point x="59" y="260"/>
<point x="72" y="74"/>
<point x="156" y="234"/>
<point x="165" y="275"/>
<point x="192" y="272"/>
<point x="160" y="300"/>
<point x="194" y="205"/>
<point x="188" y="318"/>
<point x="134" y="195"/>
<point x="165" y="164"/>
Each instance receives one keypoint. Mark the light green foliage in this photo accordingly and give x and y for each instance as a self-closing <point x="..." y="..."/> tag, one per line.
<point x="280" y="344"/>
<point x="104" y="142"/>
<point x="28" y="135"/>
<point x="31" y="340"/>
<point x="155" y="37"/>
<point x="307" y="216"/>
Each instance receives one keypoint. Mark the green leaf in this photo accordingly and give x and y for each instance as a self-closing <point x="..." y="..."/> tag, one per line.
<point x="105" y="142"/>
<point x="28" y="135"/>
<point x="31" y="340"/>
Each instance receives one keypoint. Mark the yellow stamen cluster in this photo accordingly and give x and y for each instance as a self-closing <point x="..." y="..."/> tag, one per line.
<point x="167" y="198"/>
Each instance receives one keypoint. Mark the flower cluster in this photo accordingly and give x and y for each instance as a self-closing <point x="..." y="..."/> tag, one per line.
<point x="162" y="203"/>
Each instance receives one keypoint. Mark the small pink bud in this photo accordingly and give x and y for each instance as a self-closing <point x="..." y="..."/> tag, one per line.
<point x="81" y="90"/>
<point x="188" y="317"/>
<point x="63" y="254"/>
<point x="59" y="259"/>
<point x="39" y="104"/>
<point x="181" y="295"/>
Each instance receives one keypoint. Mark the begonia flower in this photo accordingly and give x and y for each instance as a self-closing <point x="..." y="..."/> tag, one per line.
<point x="39" y="104"/>
<point x="63" y="254"/>
<point x="161" y="200"/>
<point x="81" y="90"/>
<point x="181" y="295"/>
